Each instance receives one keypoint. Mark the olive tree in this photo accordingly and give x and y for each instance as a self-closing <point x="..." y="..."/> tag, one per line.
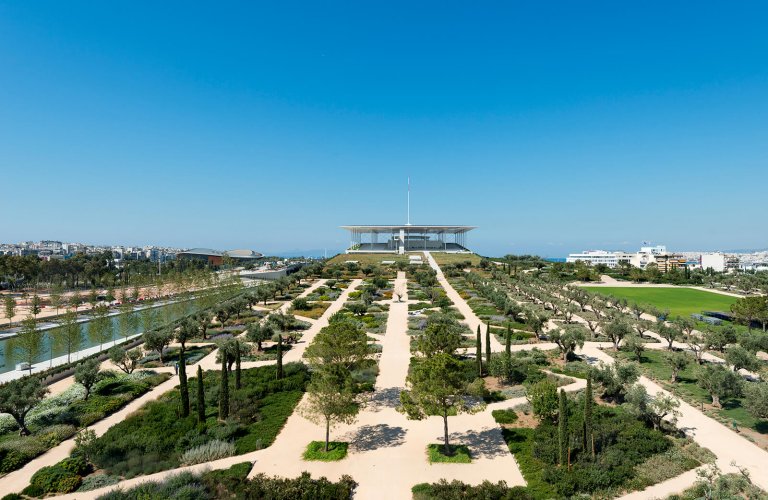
<point x="19" y="396"/>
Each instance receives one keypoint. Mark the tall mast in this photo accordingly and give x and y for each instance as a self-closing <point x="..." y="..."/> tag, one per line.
<point x="409" y="201"/>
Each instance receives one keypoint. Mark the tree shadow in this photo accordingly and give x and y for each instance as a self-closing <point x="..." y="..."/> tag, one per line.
<point x="372" y="437"/>
<point x="488" y="443"/>
<point x="384" y="398"/>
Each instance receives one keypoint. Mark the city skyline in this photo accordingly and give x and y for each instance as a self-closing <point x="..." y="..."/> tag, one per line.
<point x="232" y="129"/>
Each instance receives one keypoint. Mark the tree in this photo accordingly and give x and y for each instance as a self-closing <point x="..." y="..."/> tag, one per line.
<point x="238" y="383"/>
<point x="616" y="378"/>
<point x="200" y="396"/>
<point x="157" y="341"/>
<point x="568" y="339"/>
<point x="588" y="406"/>
<point x="279" y="356"/>
<point x="739" y="358"/>
<point x="437" y="386"/>
<point x="508" y="341"/>
<point x="127" y="322"/>
<point x="342" y="343"/>
<point x="27" y="345"/>
<point x="636" y="346"/>
<point x="126" y="360"/>
<point x="75" y="300"/>
<point x="68" y="337"/>
<point x="100" y="327"/>
<point x="36" y="305"/>
<point x="488" y="344"/>
<point x="719" y="381"/>
<point x="748" y="309"/>
<point x="719" y="338"/>
<point x="224" y="389"/>
<point x="442" y="333"/>
<point x="616" y="330"/>
<point x="535" y="321"/>
<point x="259" y="332"/>
<point x="697" y="344"/>
<point x="9" y="303"/>
<point x="756" y="399"/>
<point x="330" y="399"/>
<point x="543" y="399"/>
<point x="562" y="429"/>
<point x="86" y="374"/>
<point x="19" y="396"/>
<point x="185" y="332"/>
<point x="677" y="362"/>
<point x="668" y="333"/>
<point x="56" y="297"/>
<point x="479" y="353"/>
<point x="356" y="308"/>
<point x="203" y="319"/>
<point x="653" y="409"/>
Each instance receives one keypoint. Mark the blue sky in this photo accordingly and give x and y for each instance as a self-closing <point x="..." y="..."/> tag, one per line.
<point x="553" y="126"/>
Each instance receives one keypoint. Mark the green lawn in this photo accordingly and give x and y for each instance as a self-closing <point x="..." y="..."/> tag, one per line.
<point x="679" y="300"/>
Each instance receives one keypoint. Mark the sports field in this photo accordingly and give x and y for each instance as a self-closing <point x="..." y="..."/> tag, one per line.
<point x="679" y="300"/>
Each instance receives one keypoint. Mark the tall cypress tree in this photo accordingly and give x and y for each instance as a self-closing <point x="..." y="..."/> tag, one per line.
<point x="562" y="429"/>
<point x="508" y="347"/>
<point x="588" y="403"/>
<point x="279" y="356"/>
<point x="237" y="364"/>
<point x="488" y="345"/>
<point x="200" y="396"/>
<point x="183" y="387"/>
<point x="224" y="392"/>
<point x="479" y="354"/>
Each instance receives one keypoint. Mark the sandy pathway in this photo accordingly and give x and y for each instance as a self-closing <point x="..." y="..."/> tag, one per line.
<point x="470" y="318"/>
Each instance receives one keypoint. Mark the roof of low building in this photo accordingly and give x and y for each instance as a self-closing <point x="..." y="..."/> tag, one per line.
<point x="411" y="227"/>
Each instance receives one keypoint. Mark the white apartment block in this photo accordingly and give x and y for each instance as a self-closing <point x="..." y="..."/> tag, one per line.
<point x="598" y="257"/>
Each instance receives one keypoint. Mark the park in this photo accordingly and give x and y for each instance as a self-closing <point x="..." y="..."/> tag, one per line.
<point x="454" y="375"/>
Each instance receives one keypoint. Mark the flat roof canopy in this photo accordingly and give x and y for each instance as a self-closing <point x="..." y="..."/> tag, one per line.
<point x="411" y="228"/>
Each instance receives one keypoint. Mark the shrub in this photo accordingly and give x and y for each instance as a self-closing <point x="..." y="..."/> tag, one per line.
<point x="97" y="481"/>
<point x="504" y="416"/>
<point x="57" y="478"/>
<point x="155" y="438"/>
<point x="208" y="452"/>
<point x="459" y="454"/>
<point x="316" y="451"/>
<point x="456" y="490"/>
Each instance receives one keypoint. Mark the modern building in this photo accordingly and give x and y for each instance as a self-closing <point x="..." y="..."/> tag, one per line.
<point x="407" y="238"/>
<point x="719" y="262"/>
<point x="216" y="257"/>
<point x="600" y="257"/>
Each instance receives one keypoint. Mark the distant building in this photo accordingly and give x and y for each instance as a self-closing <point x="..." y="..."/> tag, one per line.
<point x="719" y="262"/>
<point x="407" y="238"/>
<point x="658" y="255"/>
<point x="216" y="257"/>
<point x="600" y="257"/>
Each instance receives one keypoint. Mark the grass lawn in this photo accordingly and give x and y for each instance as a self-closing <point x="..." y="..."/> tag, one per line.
<point x="459" y="454"/>
<point x="680" y="301"/>
<point x="364" y="259"/>
<point x="316" y="451"/>
<point x="452" y="258"/>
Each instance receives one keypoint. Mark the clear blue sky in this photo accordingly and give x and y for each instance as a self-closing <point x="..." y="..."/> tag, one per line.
<point x="553" y="126"/>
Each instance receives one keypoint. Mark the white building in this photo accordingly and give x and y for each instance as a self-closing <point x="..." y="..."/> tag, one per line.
<point x="598" y="257"/>
<point x="719" y="262"/>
